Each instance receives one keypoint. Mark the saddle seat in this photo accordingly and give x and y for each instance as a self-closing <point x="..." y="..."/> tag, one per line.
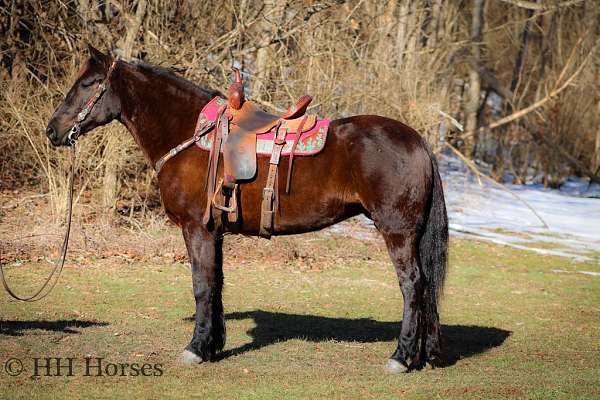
<point x="246" y="121"/>
<point x="252" y="119"/>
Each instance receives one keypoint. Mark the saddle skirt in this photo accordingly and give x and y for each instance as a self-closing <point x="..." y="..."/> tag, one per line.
<point x="311" y="142"/>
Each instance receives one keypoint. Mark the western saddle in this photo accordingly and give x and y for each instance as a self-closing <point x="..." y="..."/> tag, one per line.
<point x="238" y="123"/>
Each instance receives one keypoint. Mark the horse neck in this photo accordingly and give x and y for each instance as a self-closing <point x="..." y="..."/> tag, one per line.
<point x="159" y="110"/>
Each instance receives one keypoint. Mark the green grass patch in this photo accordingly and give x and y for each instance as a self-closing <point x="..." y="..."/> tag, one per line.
<point x="318" y="320"/>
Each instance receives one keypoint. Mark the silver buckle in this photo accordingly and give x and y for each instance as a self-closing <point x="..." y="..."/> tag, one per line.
<point x="73" y="134"/>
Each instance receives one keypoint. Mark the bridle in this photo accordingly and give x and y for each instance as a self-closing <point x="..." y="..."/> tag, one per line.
<point x="74" y="134"/>
<point x="75" y="131"/>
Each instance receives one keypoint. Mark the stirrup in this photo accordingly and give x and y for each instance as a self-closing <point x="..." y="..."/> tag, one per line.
<point x="233" y="201"/>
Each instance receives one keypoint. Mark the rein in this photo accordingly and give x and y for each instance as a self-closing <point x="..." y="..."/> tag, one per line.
<point x="74" y="134"/>
<point x="59" y="264"/>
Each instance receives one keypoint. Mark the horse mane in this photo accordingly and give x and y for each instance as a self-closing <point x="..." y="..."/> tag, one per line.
<point x="171" y="76"/>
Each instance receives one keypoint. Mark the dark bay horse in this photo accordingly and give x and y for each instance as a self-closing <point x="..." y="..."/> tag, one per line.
<point x="371" y="165"/>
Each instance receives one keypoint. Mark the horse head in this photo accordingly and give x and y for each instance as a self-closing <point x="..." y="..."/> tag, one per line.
<point x="91" y="101"/>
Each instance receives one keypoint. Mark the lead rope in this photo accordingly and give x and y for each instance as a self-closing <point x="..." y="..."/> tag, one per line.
<point x="59" y="264"/>
<point x="74" y="134"/>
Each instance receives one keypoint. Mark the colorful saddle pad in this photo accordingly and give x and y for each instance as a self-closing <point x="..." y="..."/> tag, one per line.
<point x="311" y="141"/>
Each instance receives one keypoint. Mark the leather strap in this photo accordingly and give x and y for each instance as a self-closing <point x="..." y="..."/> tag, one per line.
<point x="289" y="173"/>
<point x="75" y="131"/>
<point x="213" y="163"/>
<point x="203" y="126"/>
<point x="47" y="287"/>
<point x="269" y="196"/>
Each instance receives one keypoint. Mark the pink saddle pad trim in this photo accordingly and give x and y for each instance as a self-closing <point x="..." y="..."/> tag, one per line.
<point x="311" y="142"/>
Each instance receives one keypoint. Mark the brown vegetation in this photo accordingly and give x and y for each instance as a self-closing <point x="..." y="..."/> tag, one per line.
<point x="522" y="76"/>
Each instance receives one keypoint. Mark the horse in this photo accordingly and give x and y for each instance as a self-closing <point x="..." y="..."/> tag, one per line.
<point x="370" y="165"/>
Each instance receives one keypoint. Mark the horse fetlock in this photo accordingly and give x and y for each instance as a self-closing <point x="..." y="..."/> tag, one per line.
<point x="433" y="349"/>
<point x="189" y="358"/>
<point x="219" y="333"/>
<point x="402" y="357"/>
<point x="408" y="354"/>
<point x="205" y="349"/>
<point x="434" y="362"/>
<point x="395" y="367"/>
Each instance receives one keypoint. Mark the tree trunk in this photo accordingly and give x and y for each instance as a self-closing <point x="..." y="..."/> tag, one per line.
<point x="272" y="18"/>
<point x="472" y="105"/>
<point x="133" y="28"/>
<point x="596" y="163"/>
<point x="386" y="23"/>
<point x="84" y="9"/>
<point x="112" y="151"/>
<point x="403" y="31"/>
<point x="436" y="10"/>
<point x="520" y="58"/>
<point x="592" y="13"/>
<point x="514" y="85"/>
<point x="414" y="36"/>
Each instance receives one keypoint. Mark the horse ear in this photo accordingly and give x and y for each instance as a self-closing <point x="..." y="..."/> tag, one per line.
<point x="97" y="56"/>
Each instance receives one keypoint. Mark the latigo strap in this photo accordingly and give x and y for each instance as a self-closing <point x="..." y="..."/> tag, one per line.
<point x="213" y="163"/>
<point x="269" y="192"/>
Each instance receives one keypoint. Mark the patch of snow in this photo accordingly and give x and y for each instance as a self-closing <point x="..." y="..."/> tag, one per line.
<point x="490" y="213"/>
<point x="562" y="271"/>
<point x="592" y="273"/>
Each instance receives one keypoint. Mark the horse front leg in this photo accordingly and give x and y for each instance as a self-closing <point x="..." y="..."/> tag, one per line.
<point x="206" y="256"/>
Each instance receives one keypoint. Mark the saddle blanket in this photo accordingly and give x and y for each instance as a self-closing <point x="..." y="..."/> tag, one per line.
<point x="311" y="142"/>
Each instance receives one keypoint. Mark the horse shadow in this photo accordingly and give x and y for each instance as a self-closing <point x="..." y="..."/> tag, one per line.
<point x="459" y="341"/>
<point x="18" y="328"/>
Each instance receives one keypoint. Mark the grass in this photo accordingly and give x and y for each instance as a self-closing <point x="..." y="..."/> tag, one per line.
<point x="545" y="245"/>
<point x="312" y="316"/>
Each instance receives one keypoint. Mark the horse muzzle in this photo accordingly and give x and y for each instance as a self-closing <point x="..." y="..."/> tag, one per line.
<point x="56" y="138"/>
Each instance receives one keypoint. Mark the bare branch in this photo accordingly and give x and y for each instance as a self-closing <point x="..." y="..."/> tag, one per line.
<point x="557" y="90"/>
<point x="532" y="5"/>
<point x="318" y="7"/>
<point x="272" y="39"/>
<point x="478" y="173"/>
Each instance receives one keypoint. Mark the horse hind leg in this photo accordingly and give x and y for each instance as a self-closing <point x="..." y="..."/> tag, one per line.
<point x="404" y="252"/>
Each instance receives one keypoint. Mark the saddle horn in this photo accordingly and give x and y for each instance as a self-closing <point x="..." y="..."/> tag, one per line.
<point x="235" y="94"/>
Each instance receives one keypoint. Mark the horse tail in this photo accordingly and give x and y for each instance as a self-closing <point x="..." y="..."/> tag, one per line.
<point x="433" y="244"/>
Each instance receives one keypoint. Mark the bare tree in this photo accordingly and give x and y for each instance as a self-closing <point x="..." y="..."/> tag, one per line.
<point x="472" y="104"/>
<point x="270" y="21"/>
<point x="112" y="150"/>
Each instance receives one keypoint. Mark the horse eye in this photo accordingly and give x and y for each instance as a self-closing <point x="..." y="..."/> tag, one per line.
<point x="88" y="82"/>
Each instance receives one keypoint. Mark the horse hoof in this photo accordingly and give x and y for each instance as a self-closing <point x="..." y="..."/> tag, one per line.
<point x="395" y="367"/>
<point x="189" y="358"/>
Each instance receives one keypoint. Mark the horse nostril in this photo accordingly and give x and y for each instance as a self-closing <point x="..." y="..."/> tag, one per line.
<point x="50" y="132"/>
